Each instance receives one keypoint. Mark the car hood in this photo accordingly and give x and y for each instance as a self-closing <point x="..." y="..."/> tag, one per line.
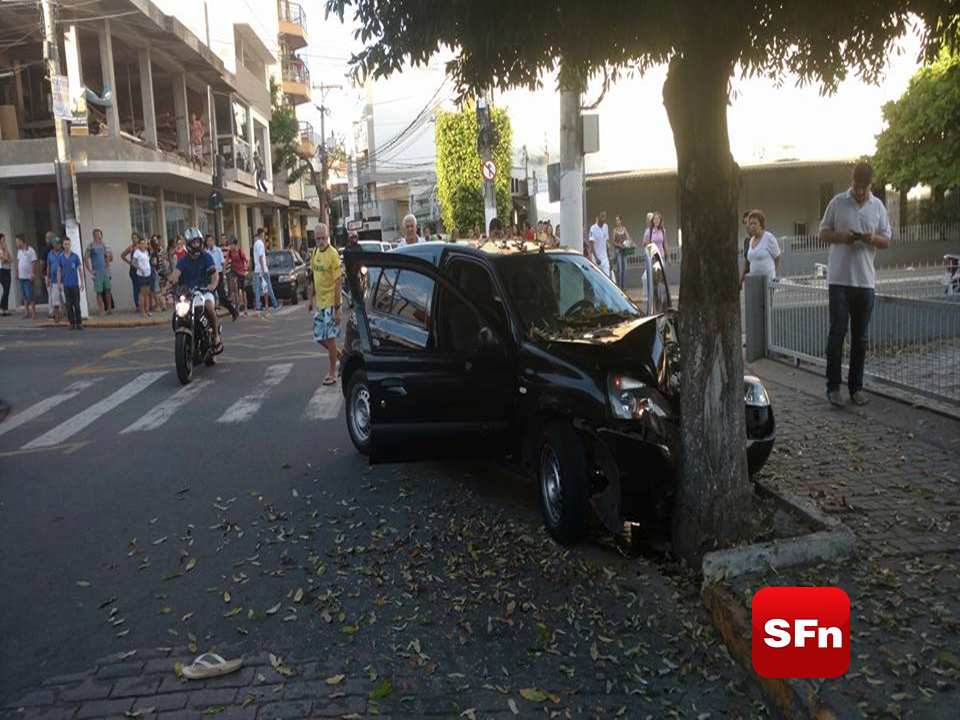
<point x="633" y="347"/>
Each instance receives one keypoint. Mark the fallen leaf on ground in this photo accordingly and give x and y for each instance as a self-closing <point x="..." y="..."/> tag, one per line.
<point x="84" y="583"/>
<point x="335" y="679"/>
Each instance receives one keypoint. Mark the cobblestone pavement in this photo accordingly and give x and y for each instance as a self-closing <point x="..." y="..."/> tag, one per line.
<point x="891" y="473"/>
<point x="425" y="591"/>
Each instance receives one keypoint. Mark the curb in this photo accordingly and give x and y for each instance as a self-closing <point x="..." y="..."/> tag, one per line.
<point x="831" y="540"/>
<point x="796" y="699"/>
<point x="132" y="323"/>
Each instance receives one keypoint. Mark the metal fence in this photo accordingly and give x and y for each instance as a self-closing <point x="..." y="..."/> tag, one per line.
<point x="914" y="334"/>
<point x="810" y="244"/>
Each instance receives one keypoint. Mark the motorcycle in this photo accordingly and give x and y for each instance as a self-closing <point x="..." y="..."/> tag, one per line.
<point x="194" y="334"/>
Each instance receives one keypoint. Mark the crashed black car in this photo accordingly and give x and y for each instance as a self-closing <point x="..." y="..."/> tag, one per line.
<point x="512" y="350"/>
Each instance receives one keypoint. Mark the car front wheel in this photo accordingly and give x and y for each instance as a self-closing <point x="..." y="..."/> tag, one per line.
<point x="358" y="412"/>
<point x="563" y="483"/>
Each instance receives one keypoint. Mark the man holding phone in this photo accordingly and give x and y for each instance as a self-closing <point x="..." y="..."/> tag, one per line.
<point x="855" y="225"/>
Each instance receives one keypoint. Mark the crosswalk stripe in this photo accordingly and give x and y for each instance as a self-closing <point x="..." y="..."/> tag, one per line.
<point x="78" y="422"/>
<point x="245" y="407"/>
<point x="325" y="403"/>
<point x="35" y="411"/>
<point x="158" y="416"/>
<point x="285" y="311"/>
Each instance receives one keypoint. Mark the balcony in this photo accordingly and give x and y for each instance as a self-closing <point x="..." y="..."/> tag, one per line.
<point x="308" y="142"/>
<point x="296" y="80"/>
<point x="293" y="24"/>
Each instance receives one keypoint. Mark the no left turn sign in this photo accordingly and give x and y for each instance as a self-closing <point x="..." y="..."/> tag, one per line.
<point x="489" y="170"/>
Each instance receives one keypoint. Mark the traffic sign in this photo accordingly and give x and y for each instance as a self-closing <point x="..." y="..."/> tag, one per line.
<point x="489" y="170"/>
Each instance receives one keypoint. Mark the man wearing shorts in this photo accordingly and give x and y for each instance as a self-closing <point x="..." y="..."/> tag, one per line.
<point x="97" y="259"/>
<point x="325" y="294"/>
<point x="26" y="267"/>
<point x="51" y="277"/>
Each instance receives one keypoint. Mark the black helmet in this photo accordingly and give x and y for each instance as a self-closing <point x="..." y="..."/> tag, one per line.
<point x="194" y="240"/>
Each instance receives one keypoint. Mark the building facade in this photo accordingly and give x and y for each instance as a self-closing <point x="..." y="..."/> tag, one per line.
<point x="161" y="65"/>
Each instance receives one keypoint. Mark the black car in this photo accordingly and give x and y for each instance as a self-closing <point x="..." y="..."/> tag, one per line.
<point x="512" y="350"/>
<point x="289" y="275"/>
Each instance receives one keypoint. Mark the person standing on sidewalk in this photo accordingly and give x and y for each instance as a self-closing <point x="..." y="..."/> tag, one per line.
<point x="97" y="258"/>
<point x="6" y="263"/>
<point x="620" y="238"/>
<point x="597" y="243"/>
<point x="325" y="293"/>
<point x="218" y="262"/>
<point x="854" y="225"/>
<point x="763" y="250"/>
<point x="656" y="234"/>
<point x="261" y="273"/>
<point x="70" y="276"/>
<point x="127" y="257"/>
<point x="141" y="265"/>
<point x="26" y="267"/>
<point x="51" y="277"/>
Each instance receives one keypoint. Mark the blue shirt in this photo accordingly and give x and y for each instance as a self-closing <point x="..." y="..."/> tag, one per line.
<point x="195" y="273"/>
<point x="97" y="252"/>
<point x="70" y="270"/>
<point x="217" y="255"/>
<point x="53" y="262"/>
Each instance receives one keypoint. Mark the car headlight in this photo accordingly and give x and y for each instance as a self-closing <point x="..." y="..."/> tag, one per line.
<point x="631" y="399"/>
<point x="754" y="393"/>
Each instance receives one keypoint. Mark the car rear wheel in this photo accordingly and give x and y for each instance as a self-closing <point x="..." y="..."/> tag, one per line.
<point x="358" y="412"/>
<point x="563" y="483"/>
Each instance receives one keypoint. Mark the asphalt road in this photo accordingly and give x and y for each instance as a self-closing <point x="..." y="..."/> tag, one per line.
<point x="134" y="514"/>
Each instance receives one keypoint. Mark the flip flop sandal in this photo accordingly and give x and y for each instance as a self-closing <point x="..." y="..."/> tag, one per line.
<point x="218" y="348"/>
<point x="329" y="381"/>
<point x="210" y="665"/>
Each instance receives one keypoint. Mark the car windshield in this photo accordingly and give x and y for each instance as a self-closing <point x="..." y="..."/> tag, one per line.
<point x="562" y="295"/>
<point x="280" y="260"/>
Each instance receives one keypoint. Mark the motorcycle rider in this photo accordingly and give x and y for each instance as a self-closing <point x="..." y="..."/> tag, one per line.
<point x="196" y="270"/>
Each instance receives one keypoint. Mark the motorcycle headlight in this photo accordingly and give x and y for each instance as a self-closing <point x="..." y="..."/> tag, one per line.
<point x="631" y="399"/>
<point x="182" y="307"/>
<point x="754" y="393"/>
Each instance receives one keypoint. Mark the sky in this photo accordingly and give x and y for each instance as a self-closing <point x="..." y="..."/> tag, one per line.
<point x="766" y="123"/>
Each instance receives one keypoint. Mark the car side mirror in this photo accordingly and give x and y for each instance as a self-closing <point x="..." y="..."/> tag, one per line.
<point x="488" y="339"/>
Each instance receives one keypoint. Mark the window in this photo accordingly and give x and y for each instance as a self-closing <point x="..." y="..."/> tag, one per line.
<point x="143" y="211"/>
<point x="205" y="222"/>
<point x="177" y="219"/>
<point x="399" y="311"/>
<point x="799" y="228"/>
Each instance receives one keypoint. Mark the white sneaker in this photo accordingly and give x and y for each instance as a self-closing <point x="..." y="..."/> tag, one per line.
<point x="859" y="397"/>
<point x="835" y="398"/>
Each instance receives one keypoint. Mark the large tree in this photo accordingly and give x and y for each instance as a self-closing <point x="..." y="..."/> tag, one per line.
<point x="921" y="142"/>
<point x="508" y="44"/>
<point x="459" y="181"/>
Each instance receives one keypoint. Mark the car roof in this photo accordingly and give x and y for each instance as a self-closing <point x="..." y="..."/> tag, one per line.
<point x="433" y="251"/>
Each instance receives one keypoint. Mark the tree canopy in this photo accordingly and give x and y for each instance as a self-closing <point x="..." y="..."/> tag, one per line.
<point x="921" y="143"/>
<point x="459" y="181"/>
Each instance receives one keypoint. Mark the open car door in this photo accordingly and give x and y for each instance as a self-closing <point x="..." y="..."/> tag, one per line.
<point x="439" y="376"/>
<point x="657" y="288"/>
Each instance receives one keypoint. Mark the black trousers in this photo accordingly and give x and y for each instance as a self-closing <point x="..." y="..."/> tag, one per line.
<point x="224" y="298"/>
<point x="5" y="282"/>
<point x="72" y="297"/>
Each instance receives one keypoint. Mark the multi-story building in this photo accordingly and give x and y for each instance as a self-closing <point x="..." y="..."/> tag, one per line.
<point x="162" y="64"/>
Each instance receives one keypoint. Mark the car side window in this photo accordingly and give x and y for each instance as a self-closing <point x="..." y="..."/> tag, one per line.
<point x="399" y="304"/>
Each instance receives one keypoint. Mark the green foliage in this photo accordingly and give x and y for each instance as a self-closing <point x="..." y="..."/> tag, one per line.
<point x="285" y="137"/>
<point x="459" y="181"/>
<point x="921" y="143"/>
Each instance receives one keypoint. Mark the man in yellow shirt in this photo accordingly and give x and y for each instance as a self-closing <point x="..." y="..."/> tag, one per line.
<point x="325" y="294"/>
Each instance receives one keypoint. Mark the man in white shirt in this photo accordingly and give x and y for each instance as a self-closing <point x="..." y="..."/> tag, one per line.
<point x="855" y="225"/>
<point x="599" y="235"/>
<point x="261" y="272"/>
<point x="410" y="236"/>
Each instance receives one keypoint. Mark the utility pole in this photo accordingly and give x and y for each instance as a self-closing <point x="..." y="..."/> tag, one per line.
<point x="322" y="108"/>
<point x="531" y="196"/>
<point x="66" y="173"/>
<point x="487" y="140"/>
<point x="571" y="170"/>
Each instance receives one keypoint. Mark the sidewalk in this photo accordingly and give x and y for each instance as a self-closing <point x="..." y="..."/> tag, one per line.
<point x="118" y="319"/>
<point x="891" y="473"/>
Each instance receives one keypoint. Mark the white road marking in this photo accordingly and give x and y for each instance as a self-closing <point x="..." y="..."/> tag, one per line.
<point x="158" y="416"/>
<point x="78" y="422"/>
<point x="244" y="408"/>
<point x="285" y="311"/>
<point x="35" y="411"/>
<point x="325" y="403"/>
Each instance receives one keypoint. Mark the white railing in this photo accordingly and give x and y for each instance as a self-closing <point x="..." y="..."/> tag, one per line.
<point x="913" y="337"/>
<point x="902" y="235"/>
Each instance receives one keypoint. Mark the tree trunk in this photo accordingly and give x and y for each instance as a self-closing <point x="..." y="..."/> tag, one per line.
<point x="712" y="505"/>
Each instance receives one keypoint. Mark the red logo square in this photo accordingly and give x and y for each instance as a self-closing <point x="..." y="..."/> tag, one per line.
<point x="801" y="632"/>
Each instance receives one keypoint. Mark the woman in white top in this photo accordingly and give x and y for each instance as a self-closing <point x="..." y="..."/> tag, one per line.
<point x="141" y="262"/>
<point x="763" y="253"/>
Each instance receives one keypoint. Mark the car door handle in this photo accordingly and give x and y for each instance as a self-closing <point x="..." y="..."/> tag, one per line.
<point x="394" y="387"/>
